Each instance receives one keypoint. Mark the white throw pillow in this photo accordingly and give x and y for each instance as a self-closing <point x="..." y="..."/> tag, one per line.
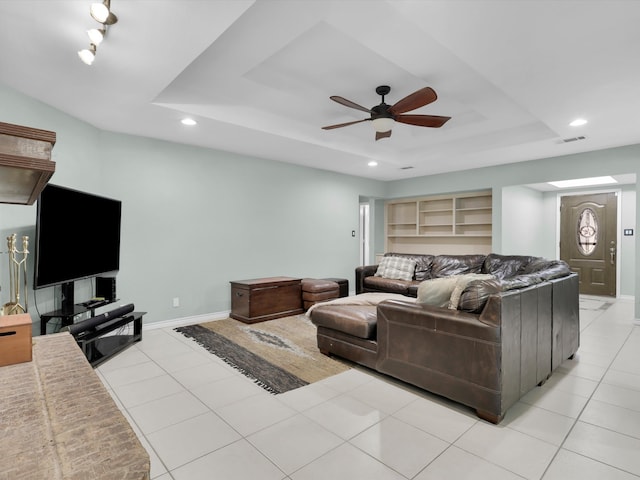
<point x="396" y="268"/>
<point x="437" y="291"/>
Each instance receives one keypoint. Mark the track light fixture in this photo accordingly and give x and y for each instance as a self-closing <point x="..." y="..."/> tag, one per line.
<point x="101" y="12"/>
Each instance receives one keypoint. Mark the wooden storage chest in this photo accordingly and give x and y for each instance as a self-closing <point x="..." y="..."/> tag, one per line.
<point x="260" y="299"/>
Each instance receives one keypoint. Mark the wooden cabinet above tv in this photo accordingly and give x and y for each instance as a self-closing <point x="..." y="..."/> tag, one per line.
<point x="25" y="162"/>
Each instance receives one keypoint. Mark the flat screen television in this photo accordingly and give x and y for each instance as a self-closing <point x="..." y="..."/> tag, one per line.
<point x="77" y="236"/>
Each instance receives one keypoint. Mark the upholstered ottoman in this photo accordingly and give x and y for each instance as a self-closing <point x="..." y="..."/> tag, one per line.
<point x="318" y="290"/>
<point x="348" y="331"/>
<point x="343" y="283"/>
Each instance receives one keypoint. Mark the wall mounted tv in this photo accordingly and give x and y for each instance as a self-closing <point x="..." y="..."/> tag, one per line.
<point x="77" y="236"/>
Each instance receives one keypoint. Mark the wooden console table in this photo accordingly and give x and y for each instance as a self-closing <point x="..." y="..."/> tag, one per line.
<point x="60" y="423"/>
<point x="261" y="299"/>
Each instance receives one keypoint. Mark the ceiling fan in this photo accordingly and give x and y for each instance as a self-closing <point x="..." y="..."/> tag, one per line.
<point x="383" y="116"/>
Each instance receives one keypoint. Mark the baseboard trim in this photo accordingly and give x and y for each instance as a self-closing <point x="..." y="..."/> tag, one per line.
<point x="181" y="322"/>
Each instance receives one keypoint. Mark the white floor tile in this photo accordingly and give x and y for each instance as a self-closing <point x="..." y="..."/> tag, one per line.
<point x="346" y="381"/>
<point x="512" y="450"/>
<point x="571" y="466"/>
<point x="622" y="379"/>
<point x="132" y="374"/>
<point x="252" y="414"/>
<point x="620" y="396"/>
<point x="227" y="391"/>
<point x="539" y="423"/>
<point x="193" y="438"/>
<point x="404" y="448"/>
<point x="384" y="396"/>
<point x="183" y="360"/>
<point x="457" y="464"/>
<point x="432" y="417"/>
<point x="556" y="401"/>
<point x="345" y="416"/>
<point x="570" y="384"/>
<point x="612" y="417"/>
<point x="306" y="397"/>
<point x="605" y="446"/>
<point x="294" y="442"/>
<point x="144" y="391"/>
<point x="199" y="375"/>
<point x="161" y="413"/>
<point x="346" y="463"/>
<point x="130" y="356"/>
<point x="238" y="461"/>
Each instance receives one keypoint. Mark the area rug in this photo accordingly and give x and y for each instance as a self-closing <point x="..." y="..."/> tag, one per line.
<point x="279" y="355"/>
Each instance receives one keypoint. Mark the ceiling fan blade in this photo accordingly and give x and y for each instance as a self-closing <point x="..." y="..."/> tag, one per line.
<point x="380" y="135"/>
<point x="417" y="99"/>
<point x="434" y="121"/>
<point x="349" y="103"/>
<point x="339" y="125"/>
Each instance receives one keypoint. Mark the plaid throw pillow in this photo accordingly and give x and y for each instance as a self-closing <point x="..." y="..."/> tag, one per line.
<point x="396" y="268"/>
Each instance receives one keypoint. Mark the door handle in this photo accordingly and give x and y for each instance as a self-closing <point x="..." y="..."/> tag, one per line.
<point x="612" y="252"/>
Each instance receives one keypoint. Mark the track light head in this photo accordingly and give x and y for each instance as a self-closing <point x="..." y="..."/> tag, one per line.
<point x="101" y="12"/>
<point x="96" y="35"/>
<point x="88" y="55"/>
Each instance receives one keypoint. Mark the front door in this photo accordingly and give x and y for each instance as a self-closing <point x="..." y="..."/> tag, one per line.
<point x="588" y="226"/>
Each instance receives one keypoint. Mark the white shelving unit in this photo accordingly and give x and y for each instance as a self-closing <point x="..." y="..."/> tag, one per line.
<point x="453" y="224"/>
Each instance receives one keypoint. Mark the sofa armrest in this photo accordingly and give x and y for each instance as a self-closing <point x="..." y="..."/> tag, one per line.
<point x="361" y="274"/>
<point x="392" y="313"/>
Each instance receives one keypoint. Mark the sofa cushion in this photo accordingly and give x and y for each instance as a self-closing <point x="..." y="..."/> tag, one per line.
<point x="447" y="265"/>
<point x="461" y="284"/>
<point x="505" y="266"/>
<point x="548" y="269"/>
<point x="423" y="264"/>
<point x="397" y="268"/>
<point x="475" y="295"/>
<point x="388" y="285"/>
<point x="436" y="291"/>
<point x="357" y="320"/>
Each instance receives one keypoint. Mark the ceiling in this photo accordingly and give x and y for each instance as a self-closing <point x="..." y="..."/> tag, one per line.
<point x="257" y="76"/>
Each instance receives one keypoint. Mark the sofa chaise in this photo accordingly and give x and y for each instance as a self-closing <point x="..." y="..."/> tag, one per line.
<point x="505" y="324"/>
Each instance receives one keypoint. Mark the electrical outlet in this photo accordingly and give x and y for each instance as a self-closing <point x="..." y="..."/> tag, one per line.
<point x="176" y="302"/>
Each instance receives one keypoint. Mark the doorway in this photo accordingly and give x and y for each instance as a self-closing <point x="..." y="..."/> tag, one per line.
<point x="588" y="240"/>
<point x="364" y="234"/>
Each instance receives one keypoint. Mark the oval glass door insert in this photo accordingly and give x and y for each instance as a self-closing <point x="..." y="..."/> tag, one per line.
<point x="587" y="234"/>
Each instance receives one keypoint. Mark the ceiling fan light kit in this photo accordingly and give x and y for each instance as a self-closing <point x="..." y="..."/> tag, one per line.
<point x="383" y="116"/>
<point x="100" y="12"/>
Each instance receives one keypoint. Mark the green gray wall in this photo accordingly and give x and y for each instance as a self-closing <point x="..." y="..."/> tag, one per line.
<point x="194" y="218"/>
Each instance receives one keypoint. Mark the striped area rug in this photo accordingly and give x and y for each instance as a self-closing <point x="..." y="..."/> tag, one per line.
<point x="279" y="355"/>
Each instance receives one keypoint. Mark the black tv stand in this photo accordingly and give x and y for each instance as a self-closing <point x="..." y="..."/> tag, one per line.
<point x="99" y="344"/>
<point x="68" y="313"/>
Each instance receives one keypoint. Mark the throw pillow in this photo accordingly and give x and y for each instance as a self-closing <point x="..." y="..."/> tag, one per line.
<point x="396" y="268"/>
<point x="437" y="291"/>
<point x="475" y="295"/>
<point x="461" y="284"/>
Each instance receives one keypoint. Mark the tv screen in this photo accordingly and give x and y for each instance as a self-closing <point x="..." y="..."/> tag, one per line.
<point x="77" y="236"/>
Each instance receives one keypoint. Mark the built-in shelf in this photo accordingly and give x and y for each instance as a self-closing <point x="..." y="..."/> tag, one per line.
<point x="453" y="224"/>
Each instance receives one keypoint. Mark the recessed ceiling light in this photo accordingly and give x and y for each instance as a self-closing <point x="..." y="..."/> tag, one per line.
<point x="188" y="121"/>
<point x="583" y="182"/>
<point x="578" y="122"/>
<point x="373" y="163"/>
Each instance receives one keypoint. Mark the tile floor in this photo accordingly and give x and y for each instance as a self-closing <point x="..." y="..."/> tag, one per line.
<point x="200" y="419"/>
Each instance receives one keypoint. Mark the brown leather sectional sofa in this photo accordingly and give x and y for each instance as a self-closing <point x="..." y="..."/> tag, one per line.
<point x="507" y="335"/>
